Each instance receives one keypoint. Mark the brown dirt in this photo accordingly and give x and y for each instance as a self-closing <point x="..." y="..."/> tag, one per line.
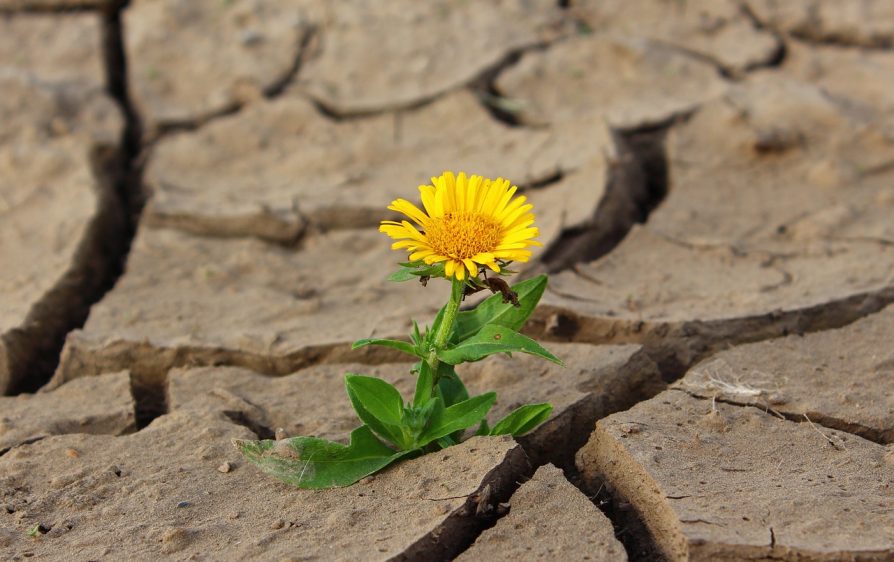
<point x="549" y="519"/>
<point x="722" y="482"/>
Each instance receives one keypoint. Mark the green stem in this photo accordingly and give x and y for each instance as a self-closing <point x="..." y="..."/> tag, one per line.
<point x="446" y="327"/>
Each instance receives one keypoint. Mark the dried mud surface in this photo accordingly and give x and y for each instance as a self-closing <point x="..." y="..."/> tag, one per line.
<point x="713" y="184"/>
<point x="59" y="128"/>
<point x="549" y="519"/>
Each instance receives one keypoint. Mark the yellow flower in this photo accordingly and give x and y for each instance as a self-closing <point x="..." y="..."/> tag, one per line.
<point x="467" y="222"/>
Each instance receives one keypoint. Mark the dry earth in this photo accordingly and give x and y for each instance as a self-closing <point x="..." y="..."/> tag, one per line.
<point x="189" y="194"/>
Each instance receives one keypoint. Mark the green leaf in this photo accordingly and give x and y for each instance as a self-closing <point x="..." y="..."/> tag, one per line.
<point x="494" y="311"/>
<point x="379" y="405"/>
<point x="452" y="388"/>
<point x="401" y="275"/>
<point x="493" y="339"/>
<point x="423" y="385"/>
<point x="312" y="463"/>
<point x="483" y="429"/>
<point x="406" y="347"/>
<point x="416" y="418"/>
<point x="416" y="337"/>
<point x="522" y="420"/>
<point x="435" y="326"/>
<point x="457" y="417"/>
<point x="413" y="269"/>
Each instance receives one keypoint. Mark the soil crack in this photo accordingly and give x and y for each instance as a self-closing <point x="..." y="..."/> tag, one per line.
<point x="637" y="183"/>
<point x="815" y="419"/>
<point x="304" y="46"/>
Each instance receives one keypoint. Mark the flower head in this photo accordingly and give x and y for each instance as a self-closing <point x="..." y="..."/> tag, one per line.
<point x="468" y="222"/>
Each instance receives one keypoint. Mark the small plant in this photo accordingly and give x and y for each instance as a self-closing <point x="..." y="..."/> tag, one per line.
<point x="470" y="225"/>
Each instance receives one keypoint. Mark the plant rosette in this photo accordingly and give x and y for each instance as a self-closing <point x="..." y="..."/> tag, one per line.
<point x="470" y="230"/>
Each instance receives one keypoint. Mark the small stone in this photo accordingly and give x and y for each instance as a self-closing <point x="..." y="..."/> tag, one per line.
<point x="278" y="524"/>
<point x="72" y="453"/>
<point x="183" y="504"/>
<point x="225" y="467"/>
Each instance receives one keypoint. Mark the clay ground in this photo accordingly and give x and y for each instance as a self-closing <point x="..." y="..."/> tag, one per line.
<point x="189" y="195"/>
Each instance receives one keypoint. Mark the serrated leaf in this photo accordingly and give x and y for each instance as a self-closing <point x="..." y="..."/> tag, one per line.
<point x="406" y="347"/>
<point x="457" y="417"/>
<point x="379" y="405"/>
<point x="522" y="420"/>
<point x="493" y="339"/>
<point x="494" y="311"/>
<point x="313" y="463"/>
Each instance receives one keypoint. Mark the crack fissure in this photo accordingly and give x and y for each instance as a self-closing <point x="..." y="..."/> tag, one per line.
<point x="814" y="418"/>
<point x="28" y="441"/>
<point x="149" y="365"/>
<point x="34" y="351"/>
<point x="815" y="37"/>
<point x="676" y="346"/>
<point x="498" y="106"/>
<point x="638" y="182"/>
<point x="480" y="512"/>
<point x="270" y="92"/>
<point x="630" y="528"/>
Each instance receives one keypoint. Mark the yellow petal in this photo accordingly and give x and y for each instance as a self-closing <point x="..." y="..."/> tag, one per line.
<point x="472" y="193"/>
<point x="461" y="183"/>
<point x="421" y="254"/>
<point x="472" y="267"/>
<point x="449" y="182"/>
<point x="409" y="209"/>
<point x="495" y="190"/>
<point x="510" y="218"/>
<point x="521" y="222"/>
<point x="427" y="193"/>
<point x="433" y="259"/>
<point x="511" y="207"/>
<point x="501" y="204"/>
<point x="521" y="235"/>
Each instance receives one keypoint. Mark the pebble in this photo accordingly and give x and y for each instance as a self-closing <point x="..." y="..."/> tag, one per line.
<point x="72" y="453"/>
<point x="225" y="467"/>
<point x="183" y="504"/>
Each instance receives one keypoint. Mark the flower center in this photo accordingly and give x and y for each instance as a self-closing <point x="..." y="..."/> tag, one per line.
<point x="463" y="235"/>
